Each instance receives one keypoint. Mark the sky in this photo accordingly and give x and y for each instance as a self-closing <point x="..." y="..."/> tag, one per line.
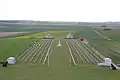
<point x="61" y="10"/>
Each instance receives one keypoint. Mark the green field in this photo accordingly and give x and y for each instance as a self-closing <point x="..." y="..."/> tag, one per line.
<point x="33" y="28"/>
<point x="109" y="48"/>
<point x="13" y="47"/>
<point x="41" y="59"/>
<point x="55" y="34"/>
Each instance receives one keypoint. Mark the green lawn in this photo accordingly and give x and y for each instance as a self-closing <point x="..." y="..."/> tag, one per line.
<point x="59" y="55"/>
<point x="58" y="69"/>
<point x="112" y="34"/>
<point x="43" y="72"/>
<point x="109" y="48"/>
<point x="59" y="61"/>
<point x="55" y="34"/>
<point x="13" y="47"/>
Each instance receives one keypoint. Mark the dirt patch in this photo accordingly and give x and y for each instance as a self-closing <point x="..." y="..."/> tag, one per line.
<point x="2" y="34"/>
<point x="84" y="40"/>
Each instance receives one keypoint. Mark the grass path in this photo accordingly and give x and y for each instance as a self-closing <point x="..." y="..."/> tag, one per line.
<point x="59" y="55"/>
<point x="13" y="47"/>
<point x="59" y="62"/>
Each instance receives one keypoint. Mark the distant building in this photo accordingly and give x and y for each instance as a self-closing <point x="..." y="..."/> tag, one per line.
<point x="69" y="36"/>
<point x="48" y="36"/>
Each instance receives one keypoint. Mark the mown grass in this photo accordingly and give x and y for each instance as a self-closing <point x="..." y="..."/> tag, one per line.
<point x="58" y="69"/>
<point x="112" y="34"/>
<point x="109" y="48"/>
<point x="55" y="34"/>
<point x="13" y="47"/>
<point x="43" y="72"/>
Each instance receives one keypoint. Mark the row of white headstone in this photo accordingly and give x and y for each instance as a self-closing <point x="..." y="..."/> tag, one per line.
<point x="107" y="61"/>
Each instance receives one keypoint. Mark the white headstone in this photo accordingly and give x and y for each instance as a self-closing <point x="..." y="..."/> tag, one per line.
<point x="107" y="61"/>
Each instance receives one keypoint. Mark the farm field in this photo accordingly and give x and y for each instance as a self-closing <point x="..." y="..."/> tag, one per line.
<point x="42" y="59"/>
<point x="5" y="34"/>
<point x="33" y="28"/>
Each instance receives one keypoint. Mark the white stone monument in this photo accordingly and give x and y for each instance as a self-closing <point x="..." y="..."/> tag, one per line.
<point x="11" y="60"/>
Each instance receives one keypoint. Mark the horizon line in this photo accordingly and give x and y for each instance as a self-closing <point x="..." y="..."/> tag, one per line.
<point x="60" y="21"/>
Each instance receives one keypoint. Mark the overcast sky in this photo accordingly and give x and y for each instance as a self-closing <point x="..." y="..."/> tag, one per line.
<point x="60" y="10"/>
